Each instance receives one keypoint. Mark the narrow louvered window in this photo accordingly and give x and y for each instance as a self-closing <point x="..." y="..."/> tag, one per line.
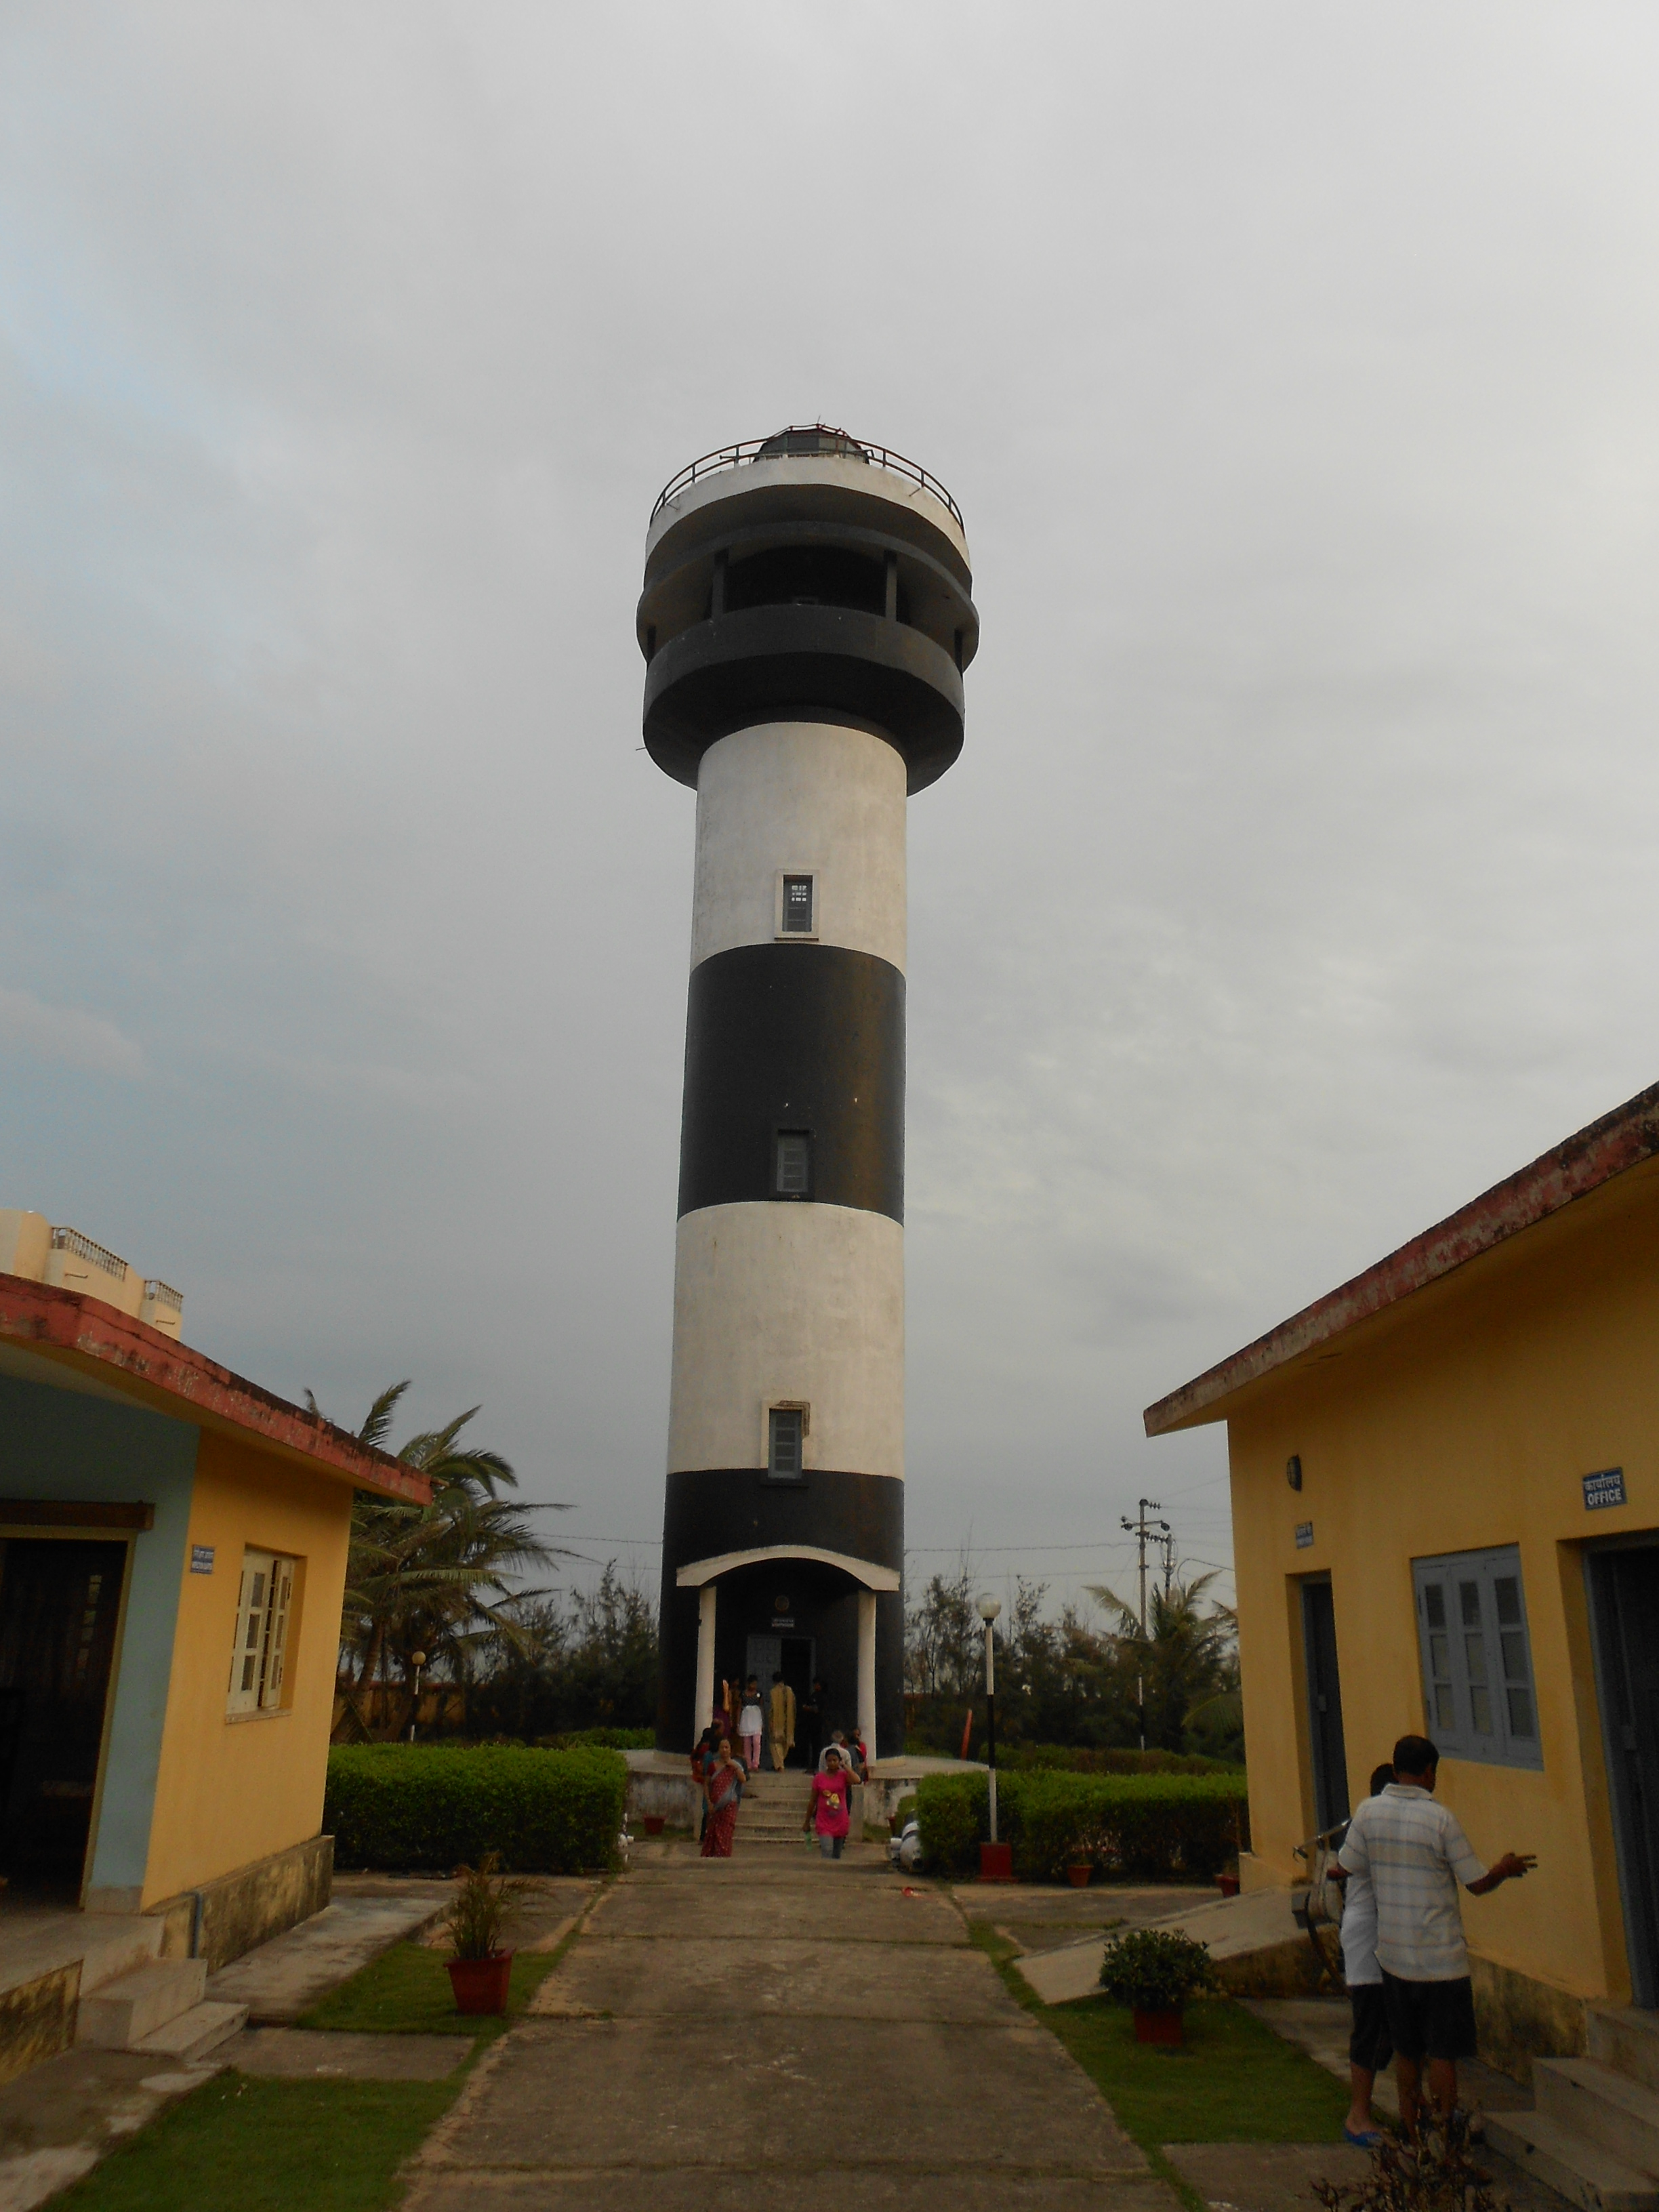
<point x="784" y="1458"/>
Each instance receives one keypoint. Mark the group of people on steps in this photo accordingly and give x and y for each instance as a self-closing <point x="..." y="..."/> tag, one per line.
<point x="721" y="1772"/>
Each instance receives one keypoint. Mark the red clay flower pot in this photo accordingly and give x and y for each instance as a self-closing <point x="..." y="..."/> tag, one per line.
<point x="1163" y="2026"/>
<point x="1078" y="1876"/>
<point x="480" y="1985"/>
<point x="653" y="1823"/>
<point x="996" y="1862"/>
<point x="1227" y="1884"/>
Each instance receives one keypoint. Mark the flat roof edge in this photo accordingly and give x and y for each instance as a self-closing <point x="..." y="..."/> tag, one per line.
<point x="78" y="1328"/>
<point x="1593" y="1156"/>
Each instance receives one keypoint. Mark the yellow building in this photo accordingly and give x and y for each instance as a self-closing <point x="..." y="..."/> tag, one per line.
<point x="173" y="1557"/>
<point x="1445" y="1491"/>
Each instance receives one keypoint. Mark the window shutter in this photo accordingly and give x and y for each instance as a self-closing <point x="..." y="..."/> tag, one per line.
<point x="1476" y="1657"/>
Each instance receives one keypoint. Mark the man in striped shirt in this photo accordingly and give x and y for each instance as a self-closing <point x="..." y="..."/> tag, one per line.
<point x="1416" y="1855"/>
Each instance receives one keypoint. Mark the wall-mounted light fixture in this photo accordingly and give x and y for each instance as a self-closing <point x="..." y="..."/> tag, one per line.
<point x="1293" y="1470"/>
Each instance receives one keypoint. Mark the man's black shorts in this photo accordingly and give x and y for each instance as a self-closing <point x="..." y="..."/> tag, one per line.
<point x="1429" y="2020"/>
<point x="1368" y="2045"/>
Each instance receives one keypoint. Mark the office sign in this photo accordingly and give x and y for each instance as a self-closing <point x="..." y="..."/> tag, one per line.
<point x="1605" y="1488"/>
<point x="1304" y="1536"/>
<point x="201" y="1558"/>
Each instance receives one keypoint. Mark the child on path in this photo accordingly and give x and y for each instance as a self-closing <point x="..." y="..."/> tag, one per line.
<point x="1416" y="1853"/>
<point x="751" y="1725"/>
<point x="1369" y="2048"/>
<point x="827" y="1808"/>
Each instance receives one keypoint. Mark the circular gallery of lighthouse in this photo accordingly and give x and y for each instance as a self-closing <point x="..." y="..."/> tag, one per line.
<point x="806" y="619"/>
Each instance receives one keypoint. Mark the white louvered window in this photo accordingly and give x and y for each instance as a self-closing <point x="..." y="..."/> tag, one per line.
<point x="259" y="1663"/>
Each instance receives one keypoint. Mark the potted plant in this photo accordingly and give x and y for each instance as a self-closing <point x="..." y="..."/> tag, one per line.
<point x="476" y="1921"/>
<point x="1157" y="1973"/>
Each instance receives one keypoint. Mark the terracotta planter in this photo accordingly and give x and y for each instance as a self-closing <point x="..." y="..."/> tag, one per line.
<point x="653" y="1823"/>
<point x="1078" y="1876"/>
<point x="1227" y="1884"/>
<point x="480" y="1985"/>
<point x="996" y="1862"/>
<point x="1162" y="2025"/>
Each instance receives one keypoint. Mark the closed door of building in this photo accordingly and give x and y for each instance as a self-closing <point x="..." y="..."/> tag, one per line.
<point x="1623" y="1589"/>
<point x="1330" y="1758"/>
<point x="60" y="1601"/>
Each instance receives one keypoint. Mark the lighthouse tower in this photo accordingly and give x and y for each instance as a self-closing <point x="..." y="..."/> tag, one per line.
<point x="805" y="620"/>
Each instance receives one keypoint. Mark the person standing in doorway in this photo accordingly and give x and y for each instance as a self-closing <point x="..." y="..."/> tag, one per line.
<point x="751" y="1724"/>
<point x="783" y="1721"/>
<point x="1369" y="2048"/>
<point x="1416" y="1855"/>
<point x="810" y="1720"/>
<point x="827" y="1808"/>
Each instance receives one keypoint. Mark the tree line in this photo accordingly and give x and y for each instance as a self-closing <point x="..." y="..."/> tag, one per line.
<point x="1068" y="1681"/>
<point x="463" y="1582"/>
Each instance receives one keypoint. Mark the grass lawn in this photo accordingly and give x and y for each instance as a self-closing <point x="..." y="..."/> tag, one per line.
<point x="239" y="2145"/>
<point x="1233" y="2081"/>
<point x="405" y="1991"/>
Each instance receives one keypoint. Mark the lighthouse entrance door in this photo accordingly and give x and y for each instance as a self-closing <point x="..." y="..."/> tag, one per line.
<point x="788" y="1655"/>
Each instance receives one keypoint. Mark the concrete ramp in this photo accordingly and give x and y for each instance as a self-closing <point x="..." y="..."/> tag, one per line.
<point x="1256" y="1945"/>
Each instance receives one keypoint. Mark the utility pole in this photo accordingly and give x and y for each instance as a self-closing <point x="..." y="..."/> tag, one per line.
<point x="1141" y="1529"/>
<point x="1169" y="1543"/>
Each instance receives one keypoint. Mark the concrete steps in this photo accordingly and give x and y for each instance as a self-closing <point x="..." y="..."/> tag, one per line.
<point x="122" y="2012"/>
<point x="1605" y="2108"/>
<point x="1595" y="2137"/>
<point x="774" y="1806"/>
<point x="1580" y="2171"/>
<point x="161" y="2009"/>
<point x="188" y="2038"/>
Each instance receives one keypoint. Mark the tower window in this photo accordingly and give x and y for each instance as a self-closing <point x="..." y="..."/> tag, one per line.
<point x="793" y="1178"/>
<point x="784" y="1428"/>
<point x="795" y="917"/>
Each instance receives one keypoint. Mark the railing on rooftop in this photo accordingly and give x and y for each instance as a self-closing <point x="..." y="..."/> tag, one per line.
<point x="163" y="1294"/>
<point x="71" y="1239"/>
<point x="774" y="448"/>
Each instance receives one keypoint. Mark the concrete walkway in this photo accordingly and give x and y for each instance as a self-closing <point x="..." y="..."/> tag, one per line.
<point x="763" y="2030"/>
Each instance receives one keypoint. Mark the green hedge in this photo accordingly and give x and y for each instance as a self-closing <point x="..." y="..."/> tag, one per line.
<point x="1079" y="1759"/>
<point x="1154" y="1826"/>
<point x="406" y="1806"/>
<point x="600" y="1738"/>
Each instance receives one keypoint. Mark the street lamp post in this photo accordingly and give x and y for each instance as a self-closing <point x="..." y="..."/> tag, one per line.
<point x="996" y="1859"/>
<point x="417" y="1660"/>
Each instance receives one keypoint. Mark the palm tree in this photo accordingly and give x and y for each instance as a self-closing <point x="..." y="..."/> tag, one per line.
<point x="1187" y="1657"/>
<point x="440" y="1577"/>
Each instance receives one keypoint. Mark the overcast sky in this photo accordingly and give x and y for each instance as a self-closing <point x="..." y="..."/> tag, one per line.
<point x="1295" y="368"/>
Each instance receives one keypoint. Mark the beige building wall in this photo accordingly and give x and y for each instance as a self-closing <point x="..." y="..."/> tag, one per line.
<point x="1463" y="1417"/>
<point x="232" y="1789"/>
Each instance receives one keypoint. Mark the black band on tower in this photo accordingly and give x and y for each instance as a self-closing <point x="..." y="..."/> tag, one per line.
<point x="712" y="1510"/>
<point x="799" y="1039"/>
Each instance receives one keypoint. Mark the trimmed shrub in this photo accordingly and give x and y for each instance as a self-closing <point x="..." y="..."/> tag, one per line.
<point x="601" y="1739"/>
<point x="438" y="1805"/>
<point x="1152" y="1826"/>
<point x="1080" y="1758"/>
<point x="1158" y="1969"/>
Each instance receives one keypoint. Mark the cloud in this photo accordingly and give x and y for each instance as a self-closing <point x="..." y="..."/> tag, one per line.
<point x="66" y="1034"/>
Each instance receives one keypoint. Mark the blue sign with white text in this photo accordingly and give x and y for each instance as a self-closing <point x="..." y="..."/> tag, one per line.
<point x="1606" y="1488"/>
<point x="201" y="1558"/>
<point x="1303" y="1535"/>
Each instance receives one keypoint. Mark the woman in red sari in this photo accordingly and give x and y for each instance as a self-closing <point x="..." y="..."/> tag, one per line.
<point x="723" y="1791"/>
